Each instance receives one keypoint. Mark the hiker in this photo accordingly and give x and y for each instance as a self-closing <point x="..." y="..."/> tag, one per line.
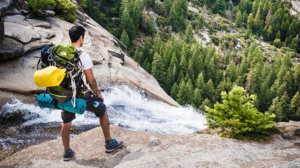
<point x="76" y="34"/>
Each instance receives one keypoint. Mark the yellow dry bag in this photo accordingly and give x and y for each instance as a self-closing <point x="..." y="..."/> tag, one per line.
<point x="49" y="77"/>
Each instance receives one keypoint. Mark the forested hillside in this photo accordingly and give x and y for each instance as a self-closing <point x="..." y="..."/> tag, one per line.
<point x="197" y="49"/>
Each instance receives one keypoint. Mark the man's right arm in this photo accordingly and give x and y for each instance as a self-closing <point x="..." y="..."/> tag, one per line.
<point x="92" y="82"/>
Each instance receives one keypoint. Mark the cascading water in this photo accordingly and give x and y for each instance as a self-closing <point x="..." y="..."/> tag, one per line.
<point x="126" y="108"/>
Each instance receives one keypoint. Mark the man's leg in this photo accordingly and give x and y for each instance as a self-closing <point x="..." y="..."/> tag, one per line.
<point x="110" y="144"/>
<point x="104" y="122"/>
<point x="65" y="134"/>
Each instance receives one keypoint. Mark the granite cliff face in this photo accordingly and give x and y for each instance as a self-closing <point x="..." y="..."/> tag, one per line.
<point x="24" y="37"/>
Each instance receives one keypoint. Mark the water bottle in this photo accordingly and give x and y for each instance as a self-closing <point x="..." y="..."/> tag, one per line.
<point x="96" y="104"/>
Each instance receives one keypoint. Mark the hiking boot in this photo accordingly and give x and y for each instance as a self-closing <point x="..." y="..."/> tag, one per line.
<point x="69" y="155"/>
<point x="113" y="145"/>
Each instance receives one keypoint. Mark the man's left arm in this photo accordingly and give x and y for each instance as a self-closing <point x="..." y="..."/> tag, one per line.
<point x="92" y="82"/>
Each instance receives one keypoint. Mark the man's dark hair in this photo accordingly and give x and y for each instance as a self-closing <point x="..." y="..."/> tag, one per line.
<point x="75" y="32"/>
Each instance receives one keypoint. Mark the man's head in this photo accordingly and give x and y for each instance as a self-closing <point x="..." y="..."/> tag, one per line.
<point x="76" y="34"/>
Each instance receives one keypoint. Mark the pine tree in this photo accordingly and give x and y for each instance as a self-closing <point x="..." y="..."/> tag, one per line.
<point x="189" y="91"/>
<point x="257" y="21"/>
<point x="277" y="43"/>
<point x="182" y="96"/>
<point x="205" y="103"/>
<point x="238" y="118"/>
<point x="239" y="19"/>
<point x="180" y="77"/>
<point x="250" y="22"/>
<point x="188" y="37"/>
<point x="178" y="14"/>
<point x="231" y="71"/>
<point x="294" y="110"/>
<point x="198" y="98"/>
<point x="137" y="13"/>
<point x="168" y="5"/>
<point x="169" y="80"/>
<point x="219" y="90"/>
<point x="174" y="91"/>
<point x="297" y="78"/>
<point x="191" y="68"/>
<point x="277" y="109"/>
<point x="146" y="65"/>
<point x="124" y="38"/>
<point x="210" y="90"/>
<point x="183" y="63"/>
<point x="219" y="7"/>
<point x="200" y="83"/>
<point x="158" y="69"/>
<point x="127" y="24"/>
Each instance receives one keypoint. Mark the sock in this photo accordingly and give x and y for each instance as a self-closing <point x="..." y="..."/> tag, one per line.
<point x="108" y="140"/>
<point x="67" y="149"/>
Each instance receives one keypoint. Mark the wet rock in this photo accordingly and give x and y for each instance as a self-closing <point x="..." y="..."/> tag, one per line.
<point x="13" y="11"/>
<point x="19" y="19"/>
<point x="24" y="12"/>
<point x="36" y="45"/>
<point x="118" y="55"/>
<point x="25" y="34"/>
<point x="39" y="23"/>
<point x="15" y="116"/>
<point x="10" y="49"/>
<point x="44" y="33"/>
<point x="49" y="13"/>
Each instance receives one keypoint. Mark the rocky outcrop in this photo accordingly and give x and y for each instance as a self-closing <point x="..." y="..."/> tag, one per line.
<point x="295" y="8"/>
<point x="24" y="34"/>
<point x="290" y="131"/>
<point x="112" y="64"/>
<point x="10" y="49"/>
<point x="155" y="150"/>
<point x="18" y="19"/>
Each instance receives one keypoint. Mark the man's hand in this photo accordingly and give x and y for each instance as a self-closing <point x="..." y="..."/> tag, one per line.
<point x="100" y="97"/>
<point x="92" y="82"/>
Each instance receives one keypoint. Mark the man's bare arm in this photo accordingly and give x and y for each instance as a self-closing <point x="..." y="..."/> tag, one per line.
<point x="92" y="82"/>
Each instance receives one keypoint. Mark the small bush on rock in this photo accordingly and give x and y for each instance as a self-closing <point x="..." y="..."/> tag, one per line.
<point x="37" y="6"/>
<point x="238" y="118"/>
<point x="64" y="9"/>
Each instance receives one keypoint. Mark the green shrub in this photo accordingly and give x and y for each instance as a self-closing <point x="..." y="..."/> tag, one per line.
<point x="277" y="43"/>
<point x="161" y="21"/>
<point x="37" y="6"/>
<point x="160" y="9"/>
<point x="215" y="39"/>
<point x="238" y="118"/>
<point x="64" y="9"/>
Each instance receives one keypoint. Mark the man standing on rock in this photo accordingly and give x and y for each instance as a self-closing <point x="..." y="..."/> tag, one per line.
<point x="76" y="34"/>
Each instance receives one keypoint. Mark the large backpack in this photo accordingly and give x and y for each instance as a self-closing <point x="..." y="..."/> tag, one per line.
<point x="64" y="56"/>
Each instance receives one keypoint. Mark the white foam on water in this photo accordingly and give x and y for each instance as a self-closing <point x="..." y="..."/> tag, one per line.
<point x="130" y="109"/>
